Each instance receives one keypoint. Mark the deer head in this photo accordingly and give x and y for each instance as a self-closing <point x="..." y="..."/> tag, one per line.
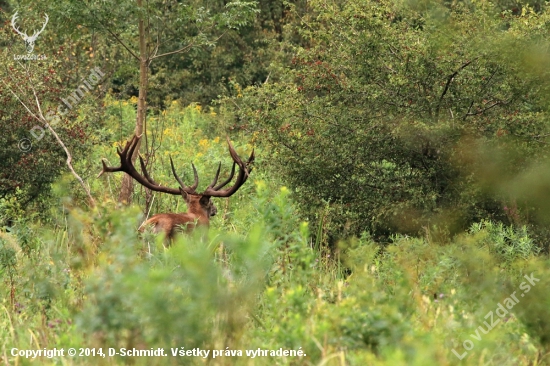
<point x="199" y="205"/>
<point x="29" y="40"/>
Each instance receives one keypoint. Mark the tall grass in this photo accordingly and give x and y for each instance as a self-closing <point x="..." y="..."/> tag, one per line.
<point x="257" y="280"/>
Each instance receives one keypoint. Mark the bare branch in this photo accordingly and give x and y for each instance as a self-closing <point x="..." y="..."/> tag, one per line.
<point x="122" y="43"/>
<point x="186" y="48"/>
<point x="67" y="152"/>
<point x="183" y="49"/>
<point x="22" y="103"/>
<point x="40" y="118"/>
<point x="449" y="80"/>
<point x="500" y="102"/>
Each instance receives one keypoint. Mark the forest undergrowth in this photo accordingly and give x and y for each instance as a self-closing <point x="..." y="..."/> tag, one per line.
<point x="259" y="282"/>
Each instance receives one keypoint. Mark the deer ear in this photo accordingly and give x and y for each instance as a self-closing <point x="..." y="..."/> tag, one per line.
<point x="204" y="200"/>
<point x="184" y="194"/>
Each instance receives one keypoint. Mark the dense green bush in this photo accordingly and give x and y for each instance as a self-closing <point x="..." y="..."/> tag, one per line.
<point x="375" y="133"/>
<point x="257" y="280"/>
<point x="396" y="117"/>
<point x="506" y="242"/>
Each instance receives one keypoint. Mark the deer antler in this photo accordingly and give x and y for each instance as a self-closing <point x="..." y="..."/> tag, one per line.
<point x="244" y="171"/>
<point x="145" y="179"/>
<point x="127" y="167"/>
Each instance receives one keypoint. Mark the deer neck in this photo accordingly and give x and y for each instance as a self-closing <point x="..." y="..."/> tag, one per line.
<point x="199" y="214"/>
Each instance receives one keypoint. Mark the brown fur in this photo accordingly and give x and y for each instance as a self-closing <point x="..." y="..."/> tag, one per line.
<point x="199" y="210"/>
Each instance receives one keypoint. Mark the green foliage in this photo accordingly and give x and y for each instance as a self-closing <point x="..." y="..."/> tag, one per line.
<point x="216" y="40"/>
<point x="31" y="158"/>
<point x="7" y="258"/>
<point x="256" y="281"/>
<point x="400" y="117"/>
<point x="383" y="119"/>
<point x="186" y="134"/>
<point x="27" y="167"/>
<point x="507" y="242"/>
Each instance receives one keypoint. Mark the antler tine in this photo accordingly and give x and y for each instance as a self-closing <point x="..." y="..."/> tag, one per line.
<point x="251" y="161"/>
<point x="224" y="183"/>
<point x="107" y="169"/>
<point x="196" y="184"/>
<point x="238" y="160"/>
<point x="241" y="177"/>
<point x="122" y="153"/>
<point x="46" y="22"/>
<point x="175" y="174"/>
<point x="13" y="21"/>
<point x="191" y="189"/>
<point x="127" y="166"/>
<point x="131" y="147"/>
<point x="145" y="173"/>
<point x="216" y="177"/>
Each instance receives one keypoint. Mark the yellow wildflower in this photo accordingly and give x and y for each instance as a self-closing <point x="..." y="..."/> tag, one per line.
<point x="239" y="90"/>
<point x="199" y="155"/>
<point x="216" y="140"/>
<point x="198" y="107"/>
<point x="168" y="132"/>
<point x="203" y="143"/>
<point x="133" y="100"/>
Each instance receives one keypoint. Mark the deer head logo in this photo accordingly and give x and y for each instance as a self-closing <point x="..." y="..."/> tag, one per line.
<point x="29" y="40"/>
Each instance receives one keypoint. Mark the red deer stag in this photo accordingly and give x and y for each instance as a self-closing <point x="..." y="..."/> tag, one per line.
<point x="199" y="206"/>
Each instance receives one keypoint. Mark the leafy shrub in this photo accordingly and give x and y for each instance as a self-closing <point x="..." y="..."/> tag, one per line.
<point x="30" y="157"/>
<point x="258" y="279"/>
<point x="401" y="117"/>
<point x="506" y="242"/>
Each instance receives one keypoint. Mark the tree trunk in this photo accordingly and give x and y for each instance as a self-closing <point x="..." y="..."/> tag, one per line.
<point x="127" y="182"/>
